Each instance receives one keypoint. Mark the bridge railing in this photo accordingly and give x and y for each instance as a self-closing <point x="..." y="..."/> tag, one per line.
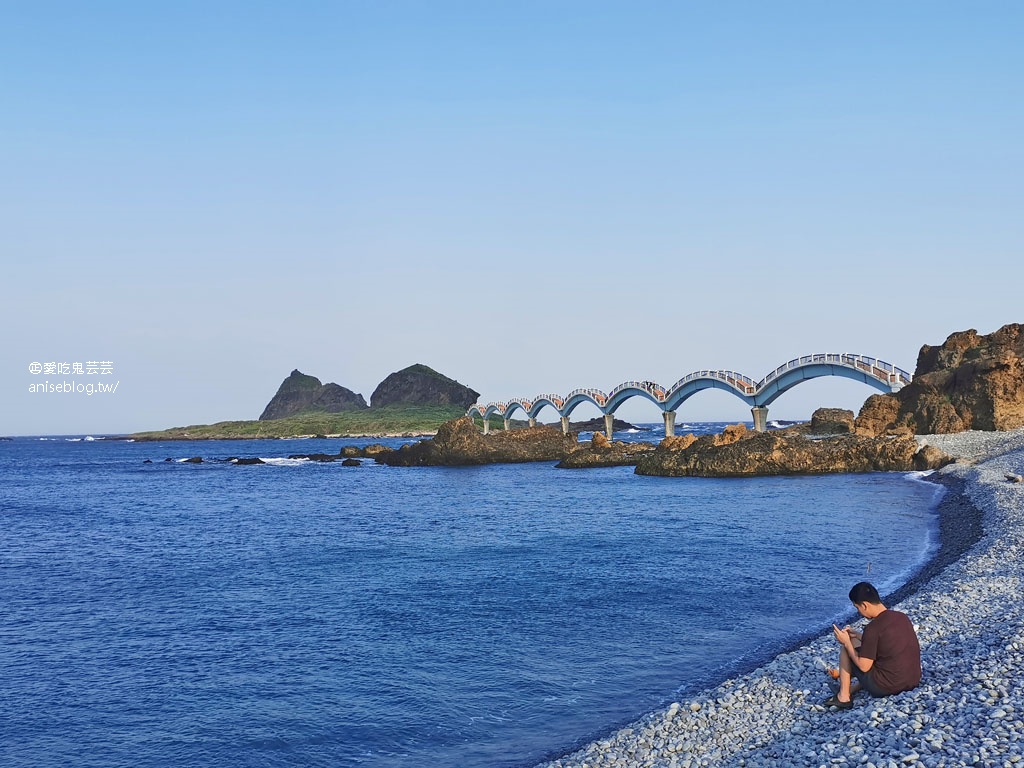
<point x="653" y="388"/>
<point x="743" y="383"/>
<point x="558" y="400"/>
<point x="878" y="369"/>
<point x="595" y="394"/>
<point x="872" y="366"/>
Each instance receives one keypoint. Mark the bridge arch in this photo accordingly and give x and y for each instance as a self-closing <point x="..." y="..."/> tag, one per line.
<point x="758" y="395"/>
<point x="785" y="382"/>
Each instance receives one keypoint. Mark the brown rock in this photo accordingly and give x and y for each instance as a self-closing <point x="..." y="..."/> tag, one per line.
<point x="970" y="382"/>
<point x="611" y="455"/>
<point x="877" y="415"/>
<point x="730" y="434"/>
<point x="458" y="442"/>
<point x="832" y="421"/>
<point x="677" y="443"/>
<point x="930" y="457"/>
<point x="599" y="441"/>
<point x="780" y="453"/>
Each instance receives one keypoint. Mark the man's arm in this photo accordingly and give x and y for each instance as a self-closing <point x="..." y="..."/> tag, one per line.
<point x="845" y="639"/>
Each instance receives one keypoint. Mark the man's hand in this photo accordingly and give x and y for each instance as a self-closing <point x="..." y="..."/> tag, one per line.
<point x="843" y="636"/>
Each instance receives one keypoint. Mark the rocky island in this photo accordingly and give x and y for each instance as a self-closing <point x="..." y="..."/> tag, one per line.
<point x="414" y="401"/>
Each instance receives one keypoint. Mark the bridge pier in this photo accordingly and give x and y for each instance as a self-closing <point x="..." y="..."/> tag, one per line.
<point x="533" y="421"/>
<point x="760" y="414"/>
<point x="565" y="425"/>
<point x="506" y="425"/>
<point x="487" y="426"/>
<point x="609" y="422"/>
<point x="670" y="423"/>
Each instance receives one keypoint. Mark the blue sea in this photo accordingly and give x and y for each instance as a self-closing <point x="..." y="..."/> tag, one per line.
<point x="298" y="613"/>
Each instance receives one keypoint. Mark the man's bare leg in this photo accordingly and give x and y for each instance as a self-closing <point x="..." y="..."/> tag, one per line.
<point x="846" y="685"/>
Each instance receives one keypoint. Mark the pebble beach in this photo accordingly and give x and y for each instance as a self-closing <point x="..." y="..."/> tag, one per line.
<point x="967" y="604"/>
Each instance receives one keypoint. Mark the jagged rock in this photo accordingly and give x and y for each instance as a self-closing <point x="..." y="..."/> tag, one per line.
<point x="729" y="435"/>
<point x="781" y="453"/>
<point x="300" y="393"/>
<point x="969" y="382"/>
<point x="374" y="450"/>
<point x="458" y="442"/>
<point x="832" y="421"/>
<point x="613" y="454"/>
<point x="678" y="442"/>
<point x="351" y="463"/>
<point x="599" y="441"/>
<point x="351" y="452"/>
<point x="877" y="415"/>
<point x="252" y="460"/>
<point x="421" y="385"/>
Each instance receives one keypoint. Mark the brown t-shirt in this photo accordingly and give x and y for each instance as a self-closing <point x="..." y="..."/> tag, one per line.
<point x="890" y="640"/>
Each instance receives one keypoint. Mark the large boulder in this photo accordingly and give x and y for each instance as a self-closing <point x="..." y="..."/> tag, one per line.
<point x="784" y="453"/>
<point x="832" y="421"/>
<point x="421" y="385"/>
<point x="969" y="382"/>
<point x="459" y="442"/>
<point x="300" y="393"/>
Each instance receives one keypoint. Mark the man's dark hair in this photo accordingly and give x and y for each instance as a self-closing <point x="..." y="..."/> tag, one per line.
<point x="863" y="592"/>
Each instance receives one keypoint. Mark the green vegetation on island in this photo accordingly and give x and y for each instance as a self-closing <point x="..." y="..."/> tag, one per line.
<point x="387" y="420"/>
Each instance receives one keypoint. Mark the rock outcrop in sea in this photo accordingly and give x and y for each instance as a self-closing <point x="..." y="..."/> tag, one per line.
<point x="421" y="385"/>
<point x="301" y="393"/>
<point x="970" y="382"/>
<point x="740" y="453"/>
<point x="602" y="452"/>
<point x="460" y="442"/>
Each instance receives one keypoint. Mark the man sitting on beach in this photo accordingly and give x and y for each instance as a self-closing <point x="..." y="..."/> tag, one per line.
<point x="885" y="658"/>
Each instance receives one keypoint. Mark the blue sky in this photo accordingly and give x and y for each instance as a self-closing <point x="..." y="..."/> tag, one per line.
<point x="528" y="197"/>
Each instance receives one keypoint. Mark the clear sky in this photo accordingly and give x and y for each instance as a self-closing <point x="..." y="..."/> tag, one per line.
<point x="528" y="197"/>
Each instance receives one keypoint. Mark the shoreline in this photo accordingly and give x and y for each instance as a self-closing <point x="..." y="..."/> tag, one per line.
<point x="769" y="712"/>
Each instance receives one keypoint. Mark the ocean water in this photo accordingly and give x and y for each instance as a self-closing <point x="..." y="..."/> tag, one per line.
<point x="299" y="613"/>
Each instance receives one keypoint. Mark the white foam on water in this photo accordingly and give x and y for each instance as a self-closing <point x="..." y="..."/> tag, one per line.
<point x="277" y="462"/>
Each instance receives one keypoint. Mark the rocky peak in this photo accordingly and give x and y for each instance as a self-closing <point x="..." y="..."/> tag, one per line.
<point x="969" y="382"/>
<point x="300" y="393"/>
<point x="420" y="385"/>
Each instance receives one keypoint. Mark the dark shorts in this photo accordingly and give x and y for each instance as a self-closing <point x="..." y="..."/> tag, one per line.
<point x="867" y="683"/>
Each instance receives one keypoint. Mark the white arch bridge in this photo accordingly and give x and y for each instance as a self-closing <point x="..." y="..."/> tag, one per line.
<point x="757" y="394"/>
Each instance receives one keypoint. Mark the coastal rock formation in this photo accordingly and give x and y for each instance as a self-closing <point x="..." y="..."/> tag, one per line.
<point x="300" y="393"/>
<point x="606" y="454"/>
<point x="782" y="453"/>
<point x="832" y="421"/>
<point x="421" y="385"/>
<point x="969" y="382"/>
<point x="459" y="442"/>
